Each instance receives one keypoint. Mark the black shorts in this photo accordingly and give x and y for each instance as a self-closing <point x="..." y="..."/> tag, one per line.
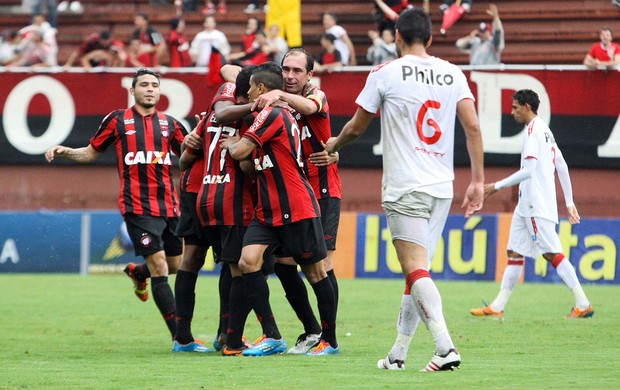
<point x="302" y="240"/>
<point x="330" y="218"/>
<point x="232" y="242"/>
<point x="211" y="236"/>
<point x="153" y="234"/>
<point x="189" y="225"/>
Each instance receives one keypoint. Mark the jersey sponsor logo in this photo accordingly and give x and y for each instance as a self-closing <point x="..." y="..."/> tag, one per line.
<point x="129" y="121"/>
<point x="130" y="132"/>
<point x="149" y="157"/>
<point x="216" y="179"/>
<point x="549" y="137"/>
<point x="426" y="76"/>
<point x="263" y="163"/>
<point x="258" y="121"/>
<point x="229" y="90"/>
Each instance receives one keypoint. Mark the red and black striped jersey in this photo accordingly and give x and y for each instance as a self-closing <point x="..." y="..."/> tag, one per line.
<point x="191" y="178"/>
<point x="144" y="147"/>
<point x="284" y="194"/>
<point x="316" y="128"/>
<point x="225" y="192"/>
<point x="225" y="196"/>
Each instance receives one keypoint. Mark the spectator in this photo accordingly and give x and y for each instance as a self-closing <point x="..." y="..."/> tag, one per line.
<point x="33" y="52"/>
<point x="277" y="43"/>
<point x="386" y="12"/>
<point x="210" y="8"/>
<point x="343" y="42"/>
<point x="251" y="27"/>
<point x="9" y="47"/>
<point x="484" y="44"/>
<point x="98" y="49"/>
<point x="258" y="53"/>
<point x="133" y="53"/>
<point x="151" y="42"/>
<point x="74" y="6"/>
<point x="51" y="10"/>
<point x="605" y="53"/>
<point x="208" y="41"/>
<point x="48" y="33"/>
<point x="383" y="47"/>
<point x="330" y="57"/>
<point x="447" y="3"/>
<point x="253" y="7"/>
<point x="177" y="44"/>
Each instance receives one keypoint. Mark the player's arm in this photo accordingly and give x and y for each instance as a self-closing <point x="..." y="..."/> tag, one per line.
<point x="227" y="112"/>
<point x="474" y="195"/>
<point x="567" y="189"/>
<point x="84" y="155"/>
<point x="351" y="131"/>
<point x="187" y="158"/>
<point x="352" y="58"/>
<point x="230" y="72"/>
<point x="238" y="149"/>
<point x="301" y="104"/>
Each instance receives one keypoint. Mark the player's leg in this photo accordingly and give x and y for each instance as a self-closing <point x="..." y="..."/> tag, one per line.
<point x="519" y="245"/>
<point x="330" y="219"/>
<point x="549" y="244"/>
<point x="296" y="292"/>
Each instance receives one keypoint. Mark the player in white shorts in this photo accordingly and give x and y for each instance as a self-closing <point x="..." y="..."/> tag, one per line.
<point x="419" y="97"/>
<point x="532" y="232"/>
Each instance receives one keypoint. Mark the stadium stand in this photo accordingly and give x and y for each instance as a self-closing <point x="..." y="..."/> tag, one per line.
<point x="537" y="31"/>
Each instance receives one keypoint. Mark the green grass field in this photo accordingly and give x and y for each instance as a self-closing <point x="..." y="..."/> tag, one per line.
<point x="72" y="332"/>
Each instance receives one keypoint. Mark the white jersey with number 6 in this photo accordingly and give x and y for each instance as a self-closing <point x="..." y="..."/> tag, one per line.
<point x="537" y="196"/>
<point x="418" y="98"/>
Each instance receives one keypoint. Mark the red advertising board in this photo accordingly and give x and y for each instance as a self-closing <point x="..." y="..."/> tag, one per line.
<point x="582" y="107"/>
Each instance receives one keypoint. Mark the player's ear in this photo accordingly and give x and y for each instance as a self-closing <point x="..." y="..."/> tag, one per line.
<point x="428" y="44"/>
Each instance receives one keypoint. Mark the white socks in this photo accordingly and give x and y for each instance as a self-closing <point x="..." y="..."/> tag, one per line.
<point x="408" y="320"/>
<point x="510" y="279"/>
<point x="428" y="303"/>
<point x="569" y="277"/>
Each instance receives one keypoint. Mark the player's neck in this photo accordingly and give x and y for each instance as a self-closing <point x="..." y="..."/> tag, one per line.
<point x="144" y="111"/>
<point x="414" y="50"/>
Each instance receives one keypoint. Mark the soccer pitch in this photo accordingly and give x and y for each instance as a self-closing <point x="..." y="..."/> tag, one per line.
<point x="73" y="332"/>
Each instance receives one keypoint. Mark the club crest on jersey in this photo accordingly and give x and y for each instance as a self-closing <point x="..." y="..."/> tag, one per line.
<point x="163" y="124"/>
<point x="216" y="179"/>
<point x="148" y="157"/>
<point x="263" y="163"/>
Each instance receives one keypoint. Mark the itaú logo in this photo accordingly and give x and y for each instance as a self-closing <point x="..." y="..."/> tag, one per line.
<point x="150" y="157"/>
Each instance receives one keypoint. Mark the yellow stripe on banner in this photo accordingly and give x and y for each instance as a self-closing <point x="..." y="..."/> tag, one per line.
<point x="344" y="261"/>
<point x="371" y="247"/>
<point x="503" y="231"/>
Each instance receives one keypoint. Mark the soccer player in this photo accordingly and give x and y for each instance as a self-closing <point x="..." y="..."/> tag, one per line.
<point x="197" y="243"/>
<point x="532" y="232"/>
<point x="287" y="214"/>
<point x="419" y="97"/>
<point x="144" y="140"/>
<point x="225" y="206"/>
<point x="312" y="115"/>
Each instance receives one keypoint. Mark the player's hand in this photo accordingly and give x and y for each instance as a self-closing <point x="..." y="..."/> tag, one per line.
<point x="266" y="100"/>
<point x="323" y="159"/>
<point x="192" y="140"/>
<point x="330" y="145"/>
<point x="474" y="199"/>
<point x="573" y="215"/>
<point x="226" y="140"/>
<point x="55" y="151"/>
<point x="489" y="189"/>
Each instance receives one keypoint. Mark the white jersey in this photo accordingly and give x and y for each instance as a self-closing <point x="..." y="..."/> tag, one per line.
<point x="537" y="197"/>
<point x="418" y="98"/>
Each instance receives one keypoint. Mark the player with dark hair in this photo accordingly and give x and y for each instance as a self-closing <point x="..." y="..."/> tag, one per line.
<point x="417" y="124"/>
<point x="312" y="116"/>
<point x="143" y="140"/>
<point x="532" y="232"/>
<point x="287" y="214"/>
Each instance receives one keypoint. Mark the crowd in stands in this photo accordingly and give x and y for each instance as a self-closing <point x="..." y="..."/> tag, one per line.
<point x="35" y="45"/>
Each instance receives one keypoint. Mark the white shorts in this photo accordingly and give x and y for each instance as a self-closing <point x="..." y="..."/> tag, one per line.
<point x="533" y="236"/>
<point x="419" y="218"/>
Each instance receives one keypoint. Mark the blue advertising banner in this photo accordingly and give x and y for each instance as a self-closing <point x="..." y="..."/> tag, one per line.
<point x="591" y="247"/>
<point x="466" y="251"/>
